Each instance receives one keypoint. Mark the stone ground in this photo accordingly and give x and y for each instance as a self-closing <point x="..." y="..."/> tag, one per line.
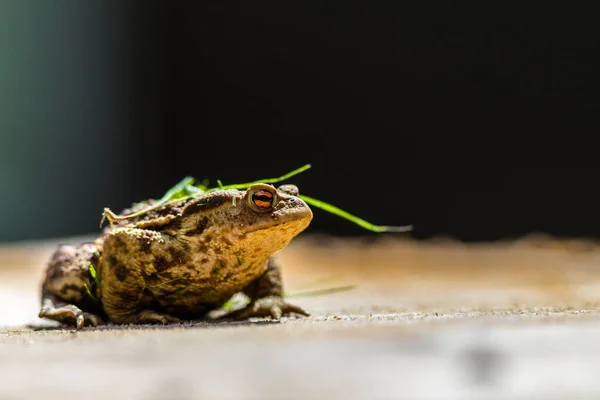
<point x="433" y="319"/>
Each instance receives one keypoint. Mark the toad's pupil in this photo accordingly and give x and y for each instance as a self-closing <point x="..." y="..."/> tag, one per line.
<point x="262" y="198"/>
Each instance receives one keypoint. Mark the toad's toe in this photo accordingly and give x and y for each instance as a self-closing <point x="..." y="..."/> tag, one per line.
<point x="270" y="306"/>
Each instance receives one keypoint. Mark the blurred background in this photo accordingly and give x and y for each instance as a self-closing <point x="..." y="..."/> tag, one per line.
<point x="465" y="122"/>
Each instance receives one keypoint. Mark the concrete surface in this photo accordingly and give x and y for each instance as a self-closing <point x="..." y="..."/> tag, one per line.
<point x="427" y="320"/>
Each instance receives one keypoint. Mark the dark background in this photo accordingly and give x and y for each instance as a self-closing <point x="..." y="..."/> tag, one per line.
<point x="477" y="123"/>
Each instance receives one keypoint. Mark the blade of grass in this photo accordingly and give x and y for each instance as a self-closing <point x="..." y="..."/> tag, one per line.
<point x="317" y="282"/>
<point x="165" y="282"/>
<point x="352" y="218"/>
<point x="183" y="189"/>
<point x="89" y="293"/>
<point x="94" y="275"/>
<point x="268" y="180"/>
<point x="322" y="292"/>
<point x="177" y="191"/>
<point x="236" y="301"/>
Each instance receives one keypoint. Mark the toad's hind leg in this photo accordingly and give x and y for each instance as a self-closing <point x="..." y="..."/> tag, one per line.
<point x="67" y="288"/>
<point x="129" y="265"/>
<point x="57" y="310"/>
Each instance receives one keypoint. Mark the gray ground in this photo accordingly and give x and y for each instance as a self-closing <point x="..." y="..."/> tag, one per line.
<point x="433" y="319"/>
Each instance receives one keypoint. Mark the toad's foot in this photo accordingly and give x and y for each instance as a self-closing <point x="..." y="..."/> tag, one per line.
<point x="273" y="306"/>
<point x="70" y="315"/>
<point x="152" y="317"/>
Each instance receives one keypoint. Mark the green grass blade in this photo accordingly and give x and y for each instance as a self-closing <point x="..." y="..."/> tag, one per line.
<point x="94" y="276"/>
<point x="165" y="282"/>
<point x="358" y="221"/>
<point x="177" y="191"/>
<point x="236" y="301"/>
<point x="183" y="189"/>
<point x="268" y="180"/>
<point x="89" y="293"/>
<point x="321" y="281"/>
<point x="192" y="190"/>
<point x="322" y="292"/>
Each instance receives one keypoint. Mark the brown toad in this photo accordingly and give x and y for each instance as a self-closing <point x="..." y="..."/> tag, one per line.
<point x="180" y="260"/>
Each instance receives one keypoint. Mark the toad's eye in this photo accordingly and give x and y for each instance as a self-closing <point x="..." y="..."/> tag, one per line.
<point x="262" y="198"/>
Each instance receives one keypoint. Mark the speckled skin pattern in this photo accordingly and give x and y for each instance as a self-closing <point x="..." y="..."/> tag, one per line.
<point x="180" y="260"/>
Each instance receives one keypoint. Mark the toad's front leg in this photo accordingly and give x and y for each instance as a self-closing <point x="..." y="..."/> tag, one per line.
<point x="266" y="297"/>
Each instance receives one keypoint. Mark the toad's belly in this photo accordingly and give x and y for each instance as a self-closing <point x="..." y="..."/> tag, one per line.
<point x="188" y="292"/>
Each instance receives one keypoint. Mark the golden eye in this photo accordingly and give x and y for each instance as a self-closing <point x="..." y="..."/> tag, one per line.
<point x="262" y="198"/>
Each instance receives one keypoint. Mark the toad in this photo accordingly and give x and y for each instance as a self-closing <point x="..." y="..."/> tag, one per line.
<point x="180" y="260"/>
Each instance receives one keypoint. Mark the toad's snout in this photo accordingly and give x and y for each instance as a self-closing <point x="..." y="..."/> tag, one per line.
<point x="292" y="208"/>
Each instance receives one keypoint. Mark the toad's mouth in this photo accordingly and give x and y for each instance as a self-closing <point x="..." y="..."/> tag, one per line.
<point x="284" y="220"/>
<point x="301" y="225"/>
